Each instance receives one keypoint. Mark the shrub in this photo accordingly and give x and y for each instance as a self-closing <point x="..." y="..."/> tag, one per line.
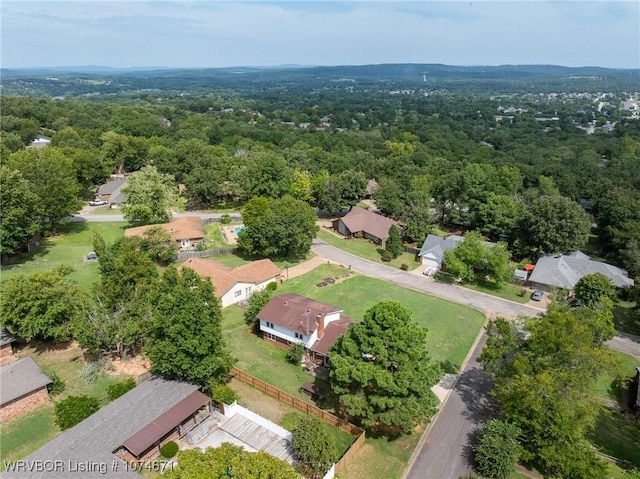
<point x="498" y="449"/>
<point x="404" y="267"/>
<point x="90" y="371"/>
<point x="73" y="410"/>
<point x="225" y="219"/>
<point x="223" y="394"/>
<point x="169" y="450"/>
<point x="114" y="391"/>
<point x="314" y="446"/>
<point x="386" y="256"/>
<point x="271" y="286"/>
<point x="57" y="384"/>
<point x="295" y="353"/>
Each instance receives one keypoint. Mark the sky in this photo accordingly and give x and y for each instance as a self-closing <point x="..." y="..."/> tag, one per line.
<point x="205" y="33"/>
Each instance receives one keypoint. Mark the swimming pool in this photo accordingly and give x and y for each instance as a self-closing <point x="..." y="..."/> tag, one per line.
<point x="238" y="229"/>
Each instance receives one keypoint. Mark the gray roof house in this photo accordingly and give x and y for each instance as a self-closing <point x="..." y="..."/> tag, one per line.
<point x="110" y="191"/>
<point x="432" y="252"/>
<point x="86" y="450"/>
<point x="21" y="378"/>
<point x="564" y="271"/>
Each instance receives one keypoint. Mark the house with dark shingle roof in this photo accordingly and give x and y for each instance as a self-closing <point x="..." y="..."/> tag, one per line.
<point x="291" y="318"/>
<point x="564" y="271"/>
<point x="434" y="247"/>
<point x="363" y="223"/>
<point x="6" y="350"/>
<point x="144" y="418"/>
<point x="111" y="191"/>
<point x="23" y="387"/>
<point x="233" y="285"/>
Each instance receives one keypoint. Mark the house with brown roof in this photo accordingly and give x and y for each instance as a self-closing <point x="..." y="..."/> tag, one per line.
<point x="23" y="387"/>
<point x="233" y="285"/>
<point x="187" y="231"/>
<point x="291" y="318"/>
<point x="361" y="223"/>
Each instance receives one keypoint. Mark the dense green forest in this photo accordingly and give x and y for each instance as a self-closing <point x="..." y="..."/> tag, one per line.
<point x="503" y="150"/>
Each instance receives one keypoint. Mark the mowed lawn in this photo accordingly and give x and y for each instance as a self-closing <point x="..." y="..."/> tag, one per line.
<point x="367" y="249"/>
<point x="452" y="327"/>
<point x="68" y="247"/>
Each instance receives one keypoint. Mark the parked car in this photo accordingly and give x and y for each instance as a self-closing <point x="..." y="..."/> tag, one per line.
<point x="537" y="295"/>
<point x="97" y="202"/>
<point x="92" y="256"/>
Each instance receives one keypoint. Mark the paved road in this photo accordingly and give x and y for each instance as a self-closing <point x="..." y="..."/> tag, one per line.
<point x="491" y="305"/>
<point x="445" y="452"/>
<point x="91" y="218"/>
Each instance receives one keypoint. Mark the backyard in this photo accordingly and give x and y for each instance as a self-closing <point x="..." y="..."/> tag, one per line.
<point x="70" y="247"/>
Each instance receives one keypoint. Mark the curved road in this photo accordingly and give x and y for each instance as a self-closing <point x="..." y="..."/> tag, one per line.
<point x="444" y="451"/>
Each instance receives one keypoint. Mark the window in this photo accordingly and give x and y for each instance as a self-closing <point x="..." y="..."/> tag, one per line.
<point x="272" y="337"/>
<point x="237" y="293"/>
<point x="298" y="336"/>
<point x="269" y="325"/>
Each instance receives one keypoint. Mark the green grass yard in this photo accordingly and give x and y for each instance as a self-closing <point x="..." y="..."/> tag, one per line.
<point x="238" y="259"/>
<point x="510" y="291"/>
<point x="25" y="434"/>
<point x="213" y="235"/>
<point x="367" y="249"/>
<point x="68" y="247"/>
<point x="452" y="327"/>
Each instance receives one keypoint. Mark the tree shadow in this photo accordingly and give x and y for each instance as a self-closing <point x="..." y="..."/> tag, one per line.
<point x="448" y="367"/>
<point x="474" y="387"/>
<point x="468" y="450"/>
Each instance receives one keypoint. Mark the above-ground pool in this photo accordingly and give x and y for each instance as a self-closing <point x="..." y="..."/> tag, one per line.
<point x="238" y="229"/>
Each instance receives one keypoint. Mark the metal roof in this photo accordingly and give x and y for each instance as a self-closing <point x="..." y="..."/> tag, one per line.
<point x="149" y="435"/>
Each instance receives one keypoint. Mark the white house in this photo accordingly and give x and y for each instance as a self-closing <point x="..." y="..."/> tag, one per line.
<point x="233" y="285"/>
<point x="291" y="318"/>
<point x="432" y="252"/>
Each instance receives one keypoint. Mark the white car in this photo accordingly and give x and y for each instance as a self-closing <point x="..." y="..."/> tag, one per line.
<point x="97" y="202"/>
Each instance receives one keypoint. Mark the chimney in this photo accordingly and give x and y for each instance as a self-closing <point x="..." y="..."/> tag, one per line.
<point x="285" y="302"/>
<point x="320" y="325"/>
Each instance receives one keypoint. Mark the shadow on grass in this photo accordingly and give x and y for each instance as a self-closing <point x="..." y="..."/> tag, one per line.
<point x="448" y="367"/>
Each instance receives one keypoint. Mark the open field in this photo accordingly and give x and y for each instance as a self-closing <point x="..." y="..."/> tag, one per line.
<point x="452" y="327"/>
<point x="366" y="249"/>
<point x="68" y="247"/>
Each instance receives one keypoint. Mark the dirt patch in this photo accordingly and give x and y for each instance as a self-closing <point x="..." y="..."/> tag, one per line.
<point x="130" y="367"/>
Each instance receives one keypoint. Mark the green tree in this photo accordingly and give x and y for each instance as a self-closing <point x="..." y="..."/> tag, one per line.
<point x="185" y="333"/>
<point x="596" y="289"/>
<point x="389" y="197"/>
<point x="394" y="242"/>
<point x="474" y="259"/>
<point x="277" y="228"/>
<point x="545" y="381"/>
<point x="158" y="244"/>
<point x="381" y="370"/>
<point x="73" y="410"/>
<point x="342" y="191"/>
<point x="301" y="185"/>
<point x="151" y="197"/>
<point x="267" y="175"/>
<point x="314" y="446"/>
<point x="229" y="460"/>
<point x="499" y="214"/>
<point x="53" y="180"/>
<point x="555" y="224"/>
<point x="21" y="211"/>
<point x="497" y="449"/>
<point x="257" y="301"/>
<point x="41" y="305"/>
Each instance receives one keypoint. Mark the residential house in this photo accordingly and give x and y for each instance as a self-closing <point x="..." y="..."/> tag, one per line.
<point x="111" y="192"/>
<point x="187" y="231"/>
<point x="363" y="223"/>
<point x="564" y="271"/>
<point x="233" y="285"/>
<point x="40" y="141"/>
<point x="23" y="387"/>
<point x="291" y="318"/>
<point x="434" y="247"/>
<point x="6" y="350"/>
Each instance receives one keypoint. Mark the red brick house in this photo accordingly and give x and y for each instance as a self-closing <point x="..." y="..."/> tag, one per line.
<point x="6" y="350"/>
<point x="23" y="387"/>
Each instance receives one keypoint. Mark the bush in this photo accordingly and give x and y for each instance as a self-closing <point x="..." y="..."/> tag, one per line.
<point x="314" y="446"/>
<point x="91" y="371"/>
<point x="386" y="256"/>
<point x="114" y="391"/>
<point x="404" y="267"/>
<point x="57" y="384"/>
<point x="73" y="410"/>
<point x="271" y="286"/>
<point x="498" y="449"/>
<point x="169" y="450"/>
<point x="225" y="219"/>
<point x="295" y="353"/>
<point x="223" y="394"/>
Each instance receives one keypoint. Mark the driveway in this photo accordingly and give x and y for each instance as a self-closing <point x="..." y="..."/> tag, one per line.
<point x="491" y="305"/>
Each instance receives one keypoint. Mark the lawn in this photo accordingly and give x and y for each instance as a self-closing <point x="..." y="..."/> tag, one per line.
<point x="105" y="210"/>
<point x="238" y="259"/>
<point x="27" y="433"/>
<point x="213" y="235"/>
<point x="624" y="317"/>
<point x="613" y="434"/>
<point x="68" y="247"/>
<point x="452" y="327"/>
<point x="367" y="249"/>
<point x="510" y="291"/>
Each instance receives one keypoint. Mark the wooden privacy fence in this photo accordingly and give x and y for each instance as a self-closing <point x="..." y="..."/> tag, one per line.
<point x="310" y="410"/>
<point x="184" y="255"/>
<point x="233" y="218"/>
<point x="299" y="404"/>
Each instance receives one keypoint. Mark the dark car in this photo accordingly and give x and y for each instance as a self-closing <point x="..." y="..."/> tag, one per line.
<point x="537" y="295"/>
